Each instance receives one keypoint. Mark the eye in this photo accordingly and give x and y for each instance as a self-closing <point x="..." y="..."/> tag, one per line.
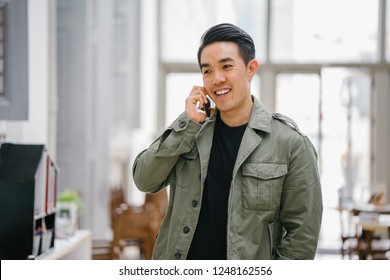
<point x="207" y="71"/>
<point x="227" y="66"/>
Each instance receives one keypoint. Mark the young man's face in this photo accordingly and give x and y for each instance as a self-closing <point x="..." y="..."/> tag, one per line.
<point x="226" y="78"/>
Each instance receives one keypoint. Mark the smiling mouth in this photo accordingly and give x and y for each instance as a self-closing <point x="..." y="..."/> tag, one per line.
<point x="222" y="92"/>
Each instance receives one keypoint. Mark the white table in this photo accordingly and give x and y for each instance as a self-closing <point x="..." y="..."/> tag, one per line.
<point x="76" y="247"/>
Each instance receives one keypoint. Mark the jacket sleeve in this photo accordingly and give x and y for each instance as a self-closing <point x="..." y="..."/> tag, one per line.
<point x="152" y="167"/>
<point x="301" y="207"/>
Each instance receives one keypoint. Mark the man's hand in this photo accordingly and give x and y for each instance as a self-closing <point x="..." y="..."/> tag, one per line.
<point x="194" y="102"/>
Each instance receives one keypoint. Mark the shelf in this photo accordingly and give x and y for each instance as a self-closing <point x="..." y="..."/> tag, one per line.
<point x="77" y="247"/>
<point x="28" y="186"/>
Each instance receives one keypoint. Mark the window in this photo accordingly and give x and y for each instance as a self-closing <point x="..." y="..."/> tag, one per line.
<point x="13" y="60"/>
<point x="333" y="109"/>
<point x="2" y="39"/>
<point x="388" y="32"/>
<point x="181" y="31"/>
<point x="179" y="86"/>
<point x="2" y="42"/>
<point x="346" y="132"/>
<point x="318" y="30"/>
<point x="298" y="97"/>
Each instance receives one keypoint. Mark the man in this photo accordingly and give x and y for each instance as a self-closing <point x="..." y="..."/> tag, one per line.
<point x="244" y="182"/>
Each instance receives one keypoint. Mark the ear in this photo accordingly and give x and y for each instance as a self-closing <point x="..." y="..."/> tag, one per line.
<point x="252" y="67"/>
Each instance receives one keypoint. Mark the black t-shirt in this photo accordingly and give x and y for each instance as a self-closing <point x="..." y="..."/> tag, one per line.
<point x="209" y="242"/>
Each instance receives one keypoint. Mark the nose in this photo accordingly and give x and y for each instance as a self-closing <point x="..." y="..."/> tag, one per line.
<point x="219" y="78"/>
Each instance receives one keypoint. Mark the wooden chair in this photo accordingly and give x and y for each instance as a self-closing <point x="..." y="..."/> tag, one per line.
<point x="138" y="225"/>
<point x="363" y="238"/>
<point x="103" y="249"/>
<point x="370" y="245"/>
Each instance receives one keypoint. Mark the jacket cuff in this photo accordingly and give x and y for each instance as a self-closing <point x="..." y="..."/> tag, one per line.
<point x="184" y="125"/>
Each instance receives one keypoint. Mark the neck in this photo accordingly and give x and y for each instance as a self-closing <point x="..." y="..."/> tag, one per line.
<point x="241" y="117"/>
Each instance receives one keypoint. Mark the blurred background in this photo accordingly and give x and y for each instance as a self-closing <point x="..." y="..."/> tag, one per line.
<point x="97" y="80"/>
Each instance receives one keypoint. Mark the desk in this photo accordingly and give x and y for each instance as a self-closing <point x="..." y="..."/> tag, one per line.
<point x="369" y="208"/>
<point x="369" y="227"/>
<point x="76" y="247"/>
<point x="355" y="219"/>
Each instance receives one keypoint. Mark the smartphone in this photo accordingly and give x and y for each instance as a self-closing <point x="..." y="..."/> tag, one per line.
<point x="207" y="107"/>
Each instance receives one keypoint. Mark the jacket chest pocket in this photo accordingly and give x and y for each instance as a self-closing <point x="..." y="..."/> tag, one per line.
<point x="262" y="185"/>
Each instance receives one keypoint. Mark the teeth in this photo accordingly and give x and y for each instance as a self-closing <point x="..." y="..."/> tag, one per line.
<point x="221" y="92"/>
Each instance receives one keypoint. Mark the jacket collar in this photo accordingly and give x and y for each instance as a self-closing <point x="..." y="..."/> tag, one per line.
<point x="260" y="116"/>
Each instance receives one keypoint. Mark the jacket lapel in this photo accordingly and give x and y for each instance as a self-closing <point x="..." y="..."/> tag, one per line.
<point x="204" y="141"/>
<point x="260" y="120"/>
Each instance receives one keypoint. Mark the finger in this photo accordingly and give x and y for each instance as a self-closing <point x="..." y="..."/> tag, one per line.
<point x="198" y="96"/>
<point x="204" y="96"/>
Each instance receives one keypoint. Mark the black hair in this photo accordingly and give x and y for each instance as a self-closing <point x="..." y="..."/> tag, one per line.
<point x="227" y="32"/>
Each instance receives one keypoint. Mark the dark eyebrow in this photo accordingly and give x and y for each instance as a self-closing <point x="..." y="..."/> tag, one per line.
<point x="223" y="60"/>
<point x="204" y="65"/>
<point x="226" y="59"/>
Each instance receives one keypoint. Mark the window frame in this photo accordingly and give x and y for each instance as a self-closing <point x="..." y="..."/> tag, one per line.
<point x="14" y="98"/>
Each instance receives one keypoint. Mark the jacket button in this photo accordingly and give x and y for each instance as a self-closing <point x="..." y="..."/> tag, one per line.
<point x="177" y="255"/>
<point x="186" y="229"/>
<point x="194" y="203"/>
<point x="182" y="124"/>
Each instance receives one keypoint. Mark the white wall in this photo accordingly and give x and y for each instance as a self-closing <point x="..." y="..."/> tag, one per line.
<point x="36" y="129"/>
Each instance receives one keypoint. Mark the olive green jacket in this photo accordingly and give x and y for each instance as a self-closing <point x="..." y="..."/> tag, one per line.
<point x="275" y="202"/>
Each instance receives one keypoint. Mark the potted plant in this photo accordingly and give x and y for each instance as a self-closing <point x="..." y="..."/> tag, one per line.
<point x="69" y="208"/>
